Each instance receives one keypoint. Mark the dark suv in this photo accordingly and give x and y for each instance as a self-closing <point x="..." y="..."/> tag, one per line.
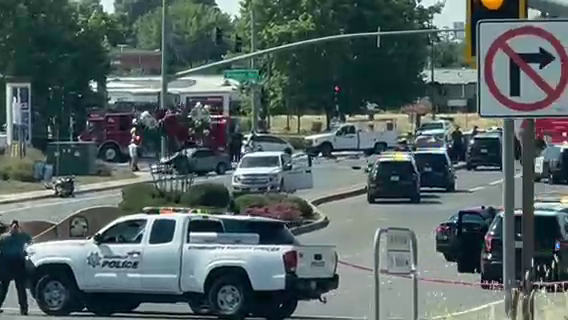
<point x="484" y="150"/>
<point x="436" y="169"/>
<point x="551" y="237"/>
<point x="394" y="176"/>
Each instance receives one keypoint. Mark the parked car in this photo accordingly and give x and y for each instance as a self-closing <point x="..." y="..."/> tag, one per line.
<point x="551" y="244"/>
<point x="200" y="161"/>
<point x="473" y="221"/>
<point x="484" y="150"/>
<point x="394" y="176"/>
<point x="266" y="142"/>
<point x="436" y="169"/>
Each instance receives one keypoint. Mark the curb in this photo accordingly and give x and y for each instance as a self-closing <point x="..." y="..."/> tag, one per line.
<point x="323" y="220"/>
<point x="80" y="191"/>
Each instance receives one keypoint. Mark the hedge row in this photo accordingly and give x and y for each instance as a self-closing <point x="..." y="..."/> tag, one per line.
<point x="217" y="198"/>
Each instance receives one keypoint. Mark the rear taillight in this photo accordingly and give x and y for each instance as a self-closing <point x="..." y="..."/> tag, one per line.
<point x="488" y="242"/>
<point x="290" y="261"/>
<point x="440" y="229"/>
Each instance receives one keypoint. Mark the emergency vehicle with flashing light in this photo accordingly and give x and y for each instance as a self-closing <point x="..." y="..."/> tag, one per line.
<point x="229" y="266"/>
<point x="394" y="175"/>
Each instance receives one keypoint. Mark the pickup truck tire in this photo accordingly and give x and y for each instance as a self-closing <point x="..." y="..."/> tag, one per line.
<point x="229" y="296"/>
<point x="326" y="148"/>
<point x="221" y="168"/>
<point x="276" y="310"/>
<point x="379" y="147"/>
<point x="57" y="295"/>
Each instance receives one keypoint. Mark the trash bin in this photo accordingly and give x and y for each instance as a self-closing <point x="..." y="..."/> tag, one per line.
<point x="72" y="157"/>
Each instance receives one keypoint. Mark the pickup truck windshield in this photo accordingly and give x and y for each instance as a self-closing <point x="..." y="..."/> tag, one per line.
<point x="270" y="233"/>
<point x="260" y="162"/>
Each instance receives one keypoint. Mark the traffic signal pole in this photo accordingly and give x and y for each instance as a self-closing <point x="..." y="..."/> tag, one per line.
<point x="164" y="78"/>
<point x="309" y="42"/>
<point x="253" y="88"/>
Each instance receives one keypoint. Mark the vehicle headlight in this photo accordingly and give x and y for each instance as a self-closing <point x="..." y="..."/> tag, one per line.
<point x="237" y="178"/>
<point x="273" y="177"/>
<point x="30" y="251"/>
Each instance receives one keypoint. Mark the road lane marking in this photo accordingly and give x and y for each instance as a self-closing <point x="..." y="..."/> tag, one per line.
<point x="493" y="183"/>
<point x="476" y="189"/>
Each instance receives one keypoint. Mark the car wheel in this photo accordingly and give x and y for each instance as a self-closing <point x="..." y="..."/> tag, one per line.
<point x="415" y="198"/>
<point x="465" y="266"/>
<point x="110" y="152"/>
<point x="221" y="169"/>
<point x="57" y="295"/>
<point x="487" y="281"/>
<point x="380" y="147"/>
<point x="449" y="257"/>
<point x="326" y="149"/>
<point x="469" y="167"/>
<point x="229" y="296"/>
<point x="370" y="198"/>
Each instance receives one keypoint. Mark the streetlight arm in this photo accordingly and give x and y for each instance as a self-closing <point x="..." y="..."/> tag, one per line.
<point x="305" y="43"/>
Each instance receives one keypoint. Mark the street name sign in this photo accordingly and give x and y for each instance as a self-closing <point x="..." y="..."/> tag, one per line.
<point x="522" y="68"/>
<point x="241" y="75"/>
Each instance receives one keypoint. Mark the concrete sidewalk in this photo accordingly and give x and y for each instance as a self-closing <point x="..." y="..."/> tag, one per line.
<point x="86" y="188"/>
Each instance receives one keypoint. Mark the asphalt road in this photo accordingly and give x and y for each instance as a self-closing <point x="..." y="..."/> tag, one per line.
<point x="353" y="224"/>
<point x="328" y="175"/>
<point x="352" y="227"/>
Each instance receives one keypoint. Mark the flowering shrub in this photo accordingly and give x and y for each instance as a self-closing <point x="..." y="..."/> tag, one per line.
<point x="286" y="211"/>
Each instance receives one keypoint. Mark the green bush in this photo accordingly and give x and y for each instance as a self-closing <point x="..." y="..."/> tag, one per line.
<point x="306" y="209"/>
<point x="20" y="169"/>
<point x="206" y="195"/>
<point x="137" y="196"/>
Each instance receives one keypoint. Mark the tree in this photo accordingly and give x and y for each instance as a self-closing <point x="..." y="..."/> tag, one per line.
<point x="60" y="50"/>
<point x="449" y="52"/>
<point x="389" y="76"/>
<point x="192" y="37"/>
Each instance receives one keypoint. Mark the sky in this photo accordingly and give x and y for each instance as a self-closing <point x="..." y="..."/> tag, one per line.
<point x="454" y="10"/>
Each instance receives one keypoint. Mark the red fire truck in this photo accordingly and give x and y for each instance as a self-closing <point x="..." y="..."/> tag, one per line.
<point x="111" y="132"/>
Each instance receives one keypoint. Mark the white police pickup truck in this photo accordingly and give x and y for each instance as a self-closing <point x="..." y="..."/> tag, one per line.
<point x="264" y="171"/>
<point x="230" y="266"/>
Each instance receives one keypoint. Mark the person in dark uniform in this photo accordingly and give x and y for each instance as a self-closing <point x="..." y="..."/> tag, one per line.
<point x="235" y="147"/>
<point x="457" y="145"/>
<point x="13" y="264"/>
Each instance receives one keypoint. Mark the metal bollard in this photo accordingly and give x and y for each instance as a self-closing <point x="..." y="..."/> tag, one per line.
<point x="402" y="255"/>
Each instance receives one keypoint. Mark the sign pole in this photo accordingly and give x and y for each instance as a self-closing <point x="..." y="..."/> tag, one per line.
<point x="528" y="213"/>
<point x="509" y="213"/>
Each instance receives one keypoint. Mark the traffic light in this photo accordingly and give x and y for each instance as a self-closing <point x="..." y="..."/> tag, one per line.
<point x="238" y="44"/>
<point x="218" y="36"/>
<point x="489" y="9"/>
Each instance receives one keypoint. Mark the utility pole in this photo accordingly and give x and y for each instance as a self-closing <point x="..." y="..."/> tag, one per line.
<point x="164" y="89"/>
<point x="432" y="69"/>
<point x="254" y="105"/>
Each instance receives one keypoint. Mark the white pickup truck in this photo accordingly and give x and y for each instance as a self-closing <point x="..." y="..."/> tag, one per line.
<point x="264" y="171"/>
<point x="230" y="266"/>
<point x="347" y="137"/>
